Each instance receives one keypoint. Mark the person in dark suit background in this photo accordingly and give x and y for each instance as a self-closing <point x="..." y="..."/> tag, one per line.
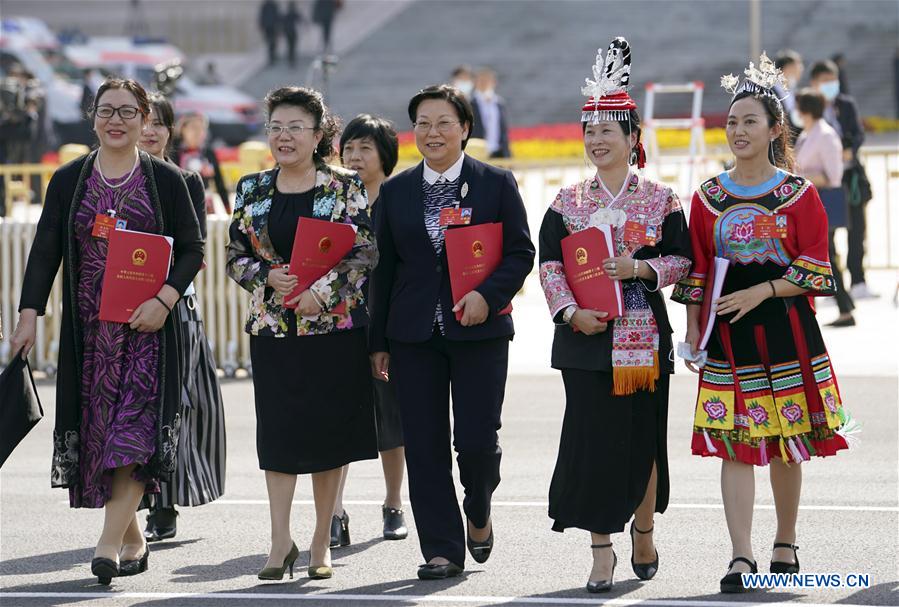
<point x="417" y="342"/>
<point x="842" y="114"/>
<point x="269" y="22"/>
<point x="490" y="122"/>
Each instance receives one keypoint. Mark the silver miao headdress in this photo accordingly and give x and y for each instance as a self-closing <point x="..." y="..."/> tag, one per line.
<point x="607" y="92"/>
<point x="758" y="80"/>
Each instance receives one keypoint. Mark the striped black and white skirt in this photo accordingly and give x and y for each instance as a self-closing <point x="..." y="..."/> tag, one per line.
<point x="199" y="476"/>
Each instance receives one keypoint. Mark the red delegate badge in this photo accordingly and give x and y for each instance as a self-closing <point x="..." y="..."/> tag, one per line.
<point x="770" y="226"/>
<point x="104" y="224"/>
<point x="455" y="216"/>
<point x="634" y="231"/>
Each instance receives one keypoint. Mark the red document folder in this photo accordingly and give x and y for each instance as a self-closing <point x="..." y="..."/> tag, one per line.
<point x="582" y="255"/>
<point x="473" y="253"/>
<point x="714" y="282"/>
<point x="318" y="246"/>
<point x="137" y="265"/>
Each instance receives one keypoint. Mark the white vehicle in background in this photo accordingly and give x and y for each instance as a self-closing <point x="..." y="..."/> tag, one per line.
<point x="233" y="115"/>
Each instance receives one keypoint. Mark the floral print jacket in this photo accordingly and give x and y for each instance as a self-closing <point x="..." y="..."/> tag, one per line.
<point x="339" y="196"/>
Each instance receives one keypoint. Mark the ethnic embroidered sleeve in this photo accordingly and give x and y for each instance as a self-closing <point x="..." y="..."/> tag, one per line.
<point x="811" y="268"/>
<point x="552" y="273"/>
<point x="243" y="266"/>
<point x="690" y="289"/>
<point x="675" y="254"/>
<point x="344" y="282"/>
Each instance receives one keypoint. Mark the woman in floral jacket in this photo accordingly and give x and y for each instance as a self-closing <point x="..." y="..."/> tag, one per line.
<point x="311" y="375"/>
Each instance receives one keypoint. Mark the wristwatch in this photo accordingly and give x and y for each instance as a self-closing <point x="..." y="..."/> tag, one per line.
<point x="568" y="313"/>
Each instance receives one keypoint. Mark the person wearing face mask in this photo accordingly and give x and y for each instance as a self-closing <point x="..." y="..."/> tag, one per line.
<point x="768" y="394"/>
<point x="311" y="371"/>
<point x="490" y="122"/>
<point x="433" y="345"/>
<point x="199" y="476"/>
<point x="615" y="373"/>
<point x="369" y="146"/>
<point x="118" y="388"/>
<point x="462" y="79"/>
<point x="790" y="63"/>
<point x="842" y="114"/>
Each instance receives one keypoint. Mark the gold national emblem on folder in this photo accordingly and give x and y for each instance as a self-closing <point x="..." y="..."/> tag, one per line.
<point x="324" y="244"/>
<point x="580" y="256"/>
<point x="139" y="257"/>
<point x="477" y="248"/>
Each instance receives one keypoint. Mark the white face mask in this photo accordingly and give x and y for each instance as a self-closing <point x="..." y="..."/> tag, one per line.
<point x="830" y="90"/>
<point x="466" y="86"/>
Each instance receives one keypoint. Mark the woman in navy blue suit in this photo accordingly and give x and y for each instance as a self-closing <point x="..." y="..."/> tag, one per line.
<point x="418" y="343"/>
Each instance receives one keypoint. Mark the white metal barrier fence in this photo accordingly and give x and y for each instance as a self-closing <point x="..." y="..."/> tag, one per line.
<point x="223" y="304"/>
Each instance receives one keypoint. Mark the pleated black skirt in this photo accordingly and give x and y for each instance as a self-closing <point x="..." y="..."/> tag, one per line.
<point x="606" y="452"/>
<point x="199" y="476"/>
<point x="314" y="406"/>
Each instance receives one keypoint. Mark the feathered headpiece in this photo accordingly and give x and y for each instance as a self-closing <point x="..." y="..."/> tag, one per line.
<point x="759" y="80"/>
<point x="607" y="92"/>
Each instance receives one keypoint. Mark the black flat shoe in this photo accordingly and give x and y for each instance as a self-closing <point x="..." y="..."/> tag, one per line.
<point x="644" y="571"/>
<point x="732" y="583"/>
<point x="480" y="551"/>
<point x="340" y="530"/>
<point x="105" y="569"/>
<point x="429" y="571"/>
<point x="842" y="322"/>
<point x="135" y="566"/>
<point x="162" y="524"/>
<point x="603" y="585"/>
<point x="394" y="523"/>
<point x="781" y="566"/>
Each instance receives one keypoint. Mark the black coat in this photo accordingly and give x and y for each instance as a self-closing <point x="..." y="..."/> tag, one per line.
<point x="478" y="131"/>
<point x="54" y="242"/>
<point x="410" y="278"/>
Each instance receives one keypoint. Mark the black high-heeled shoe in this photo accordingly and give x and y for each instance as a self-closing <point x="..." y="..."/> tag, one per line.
<point x="277" y="573"/>
<point x="784" y="567"/>
<point x="733" y="582"/>
<point x="394" y="523"/>
<point x="340" y="530"/>
<point x="105" y="569"/>
<point x="644" y="571"/>
<point x="162" y="524"/>
<point x="603" y="585"/>
<point x="135" y="566"/>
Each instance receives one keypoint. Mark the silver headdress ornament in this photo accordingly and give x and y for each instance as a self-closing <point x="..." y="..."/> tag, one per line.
<point x="759" y="80"/>
<point x="607" y="92"/>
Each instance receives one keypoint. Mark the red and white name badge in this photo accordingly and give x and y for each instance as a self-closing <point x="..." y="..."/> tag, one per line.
<point x="104" y="224"/>
<point x="634" y="231"/>
<point x="455" y="217"/>
<point x="770" y="226"/>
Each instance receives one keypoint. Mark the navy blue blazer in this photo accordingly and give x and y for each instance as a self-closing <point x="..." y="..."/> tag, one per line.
<point x="410" y="278"/>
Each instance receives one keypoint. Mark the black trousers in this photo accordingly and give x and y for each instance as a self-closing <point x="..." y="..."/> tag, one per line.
<point x="844" y="300"/>
<point x="474" y="372"/>
<point x="855" y="257"/>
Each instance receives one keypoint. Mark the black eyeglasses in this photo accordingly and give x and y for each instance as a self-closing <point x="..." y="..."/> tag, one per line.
<point x="125" y="112"/>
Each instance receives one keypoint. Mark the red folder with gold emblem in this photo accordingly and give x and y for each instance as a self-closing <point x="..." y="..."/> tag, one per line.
<point x="473" y="253"/>
<point x="137" y="265"/>
<point x="318" y="246"/>
<point x="582" y="255"/>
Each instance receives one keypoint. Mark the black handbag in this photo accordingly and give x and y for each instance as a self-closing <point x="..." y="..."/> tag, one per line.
<point x="857" y="184"/>
<point x="834" y="200"/>
<point x="20" y="407"/>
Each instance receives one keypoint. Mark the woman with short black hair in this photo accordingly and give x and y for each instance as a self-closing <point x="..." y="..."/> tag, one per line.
<point x="416" y="335"/>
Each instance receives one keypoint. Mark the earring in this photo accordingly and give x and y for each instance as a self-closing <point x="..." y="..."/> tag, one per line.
<point x="632" y="159"/>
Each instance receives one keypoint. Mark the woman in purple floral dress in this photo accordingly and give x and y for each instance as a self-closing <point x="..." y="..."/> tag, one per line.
<point x="117" y="387"/>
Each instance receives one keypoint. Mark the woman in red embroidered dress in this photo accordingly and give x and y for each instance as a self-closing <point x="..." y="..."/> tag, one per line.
<point x="767" y="392"/>
<point x="612" y="463"/>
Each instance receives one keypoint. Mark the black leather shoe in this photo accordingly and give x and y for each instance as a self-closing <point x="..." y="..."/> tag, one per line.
<point x="644" y="571"/>
<point x="340" y="530"/>
<point x="429" y="571"/>
<point x="842" y="322"/>
<point x="162" y="524"/>
<point x="135" y="566"/>
<point x="781" y="566"/>
<point x="603" y="585"/>
<point x="733" y="582"/>
<point x="394" y="523"/>
<point x="105" y="569"/>
<point x="480" y="551"/>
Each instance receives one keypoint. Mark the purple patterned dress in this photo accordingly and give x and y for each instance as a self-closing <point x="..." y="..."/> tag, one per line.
<point x="119" y="381"/>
